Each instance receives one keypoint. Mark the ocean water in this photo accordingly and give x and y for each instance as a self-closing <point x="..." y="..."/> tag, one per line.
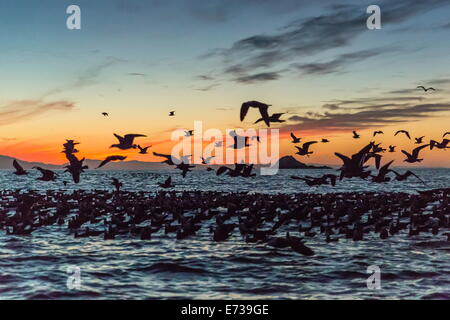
<point x="35" y="267"/>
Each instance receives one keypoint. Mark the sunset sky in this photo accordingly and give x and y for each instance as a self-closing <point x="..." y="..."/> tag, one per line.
<point x="138" y="60"/>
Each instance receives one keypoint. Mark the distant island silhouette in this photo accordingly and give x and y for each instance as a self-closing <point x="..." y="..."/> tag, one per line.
<point x="289" y="162"/>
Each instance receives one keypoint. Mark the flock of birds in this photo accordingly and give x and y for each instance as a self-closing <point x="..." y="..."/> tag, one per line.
<point x="257" y="217"/>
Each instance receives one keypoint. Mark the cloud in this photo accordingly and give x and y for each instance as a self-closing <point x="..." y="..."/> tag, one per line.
<point x="337" y="28"/>
<point x="259" y="77"/>
<point x="208" y="88"/>
<point x="368" y="117"/>
<point x="330" y="106"/>
<point x="17" y="111"/>
<point x="137" y="74"/>
<point x="204" y="77"/>
<point x="340" y="62"/>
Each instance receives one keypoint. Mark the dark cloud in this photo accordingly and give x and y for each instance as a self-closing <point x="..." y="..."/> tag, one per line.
<point x="17" y="111"/>
<point x="369" y="117"/>
<point x="259" y="77"/>
<point x="137" y="74"/>
<point x="340" y="62"/>
<point x="335" y="29"/>
<point x="330" y="106"/>
<point x="204" y="77"/>
<point x="208" y="88"/>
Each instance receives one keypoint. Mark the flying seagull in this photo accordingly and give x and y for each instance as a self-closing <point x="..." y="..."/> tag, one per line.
<point x="167" y="183"/>
<point x="445" y="134"/>
<point x="143" y="150"/>
<point x="273" y="118"/>
<point x="414" y="157"/>
<point x="111" y="158"/>
<point x="304" y="150"/>
<point x="47" y="175"/>
<point x="19" y="170"/>
<point x="171" y="113"/>
<point x="256" y="104"/>
<point x="356" y="135"/>
<point x="117" y="184"/>
<point x="105" y="114"/>
<point x="377" y="132"/>
<point x="403" y="131"/>
<point x="294" y="138"/>
<point x="419" y="140"/>
<point x="126" y="142"/>
<point x="425" y="89"/>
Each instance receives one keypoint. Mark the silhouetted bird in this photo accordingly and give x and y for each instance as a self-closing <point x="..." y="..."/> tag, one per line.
<point x="218" y="144"/>
<point x="441" y="145"/>
<point x="126" y="142"/>
<point x="75" y="167"/>
<point x="402" y="177"/>
<point x="167" y="183"/>
<point x="111" y="158"/>
<point x="105" y="114"/>
<point x="391" y="148"/>
<point x="239" y="141"/>
<point x="47" y="175"/>
<point x="356" y="135"/>
<point x="325" y="140"/>
<point x="69" y="147"/>
<point x="403" y="131"/>
<point x="188" y="133"/>
<point x="207" y="160"/>
<point x="298" y="246"/>
<point x="412" y="158"/>
<point x="294" y="138"/>
<point x="419" y="140"/>
<point x="19" y="170"/>
<point x="273" y="118"/>
<point x="171" y="161"/>
<point x="263" y="110"/>
<point x="304" y="150"/>
<point x="377" y="132"/>
<point x="185" y="168"/>
<point x="445" y="134"/>
<point x="171" y="113"/>
<point x="426" y="89"/>
<point x="143" y="150"/>
<point x="381" y="176"/>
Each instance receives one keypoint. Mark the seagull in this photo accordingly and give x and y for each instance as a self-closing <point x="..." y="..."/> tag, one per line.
<point x="238" y="143"/>
<point x="47" y="175"/>
<point x="304" y="150"/>
<point x="419" y="140"/>
<point x="236" y="172"/>
<point x="381" y="177"/>
<point x="295" y="139"/>
<point x="189" y="133"/>
<point x="273" y="118"/>
<point x="167" y="183"/>
<point x="391" y="148"/>
<point x="105" y="114"/>
<point x="126" y="142"/>
<point x="412" y="158"/>
<point x="207" y="160"/>
<point x="171" y="113"/>
<point x="19" y="170"/>
<point x="256" y="104"/>
<point x="442" y="145"/>
<point x="143" y="150"/>
<point x="445" y="134"/>
<point x="402" y="177"/>
<point x="377" y="132"/>
<point x="69" y="146"/>
<point x="185" y="168"/>
<point x="355" y="135"/>
<point x="75" y="167"/>
<point x="403" y="131"/>
<point x="117" y="184"/>
<point x="111" y="158"/>
<point x="218" y="144"/>
<point x="325" y="140"/>
<point x="425" y="89"/>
